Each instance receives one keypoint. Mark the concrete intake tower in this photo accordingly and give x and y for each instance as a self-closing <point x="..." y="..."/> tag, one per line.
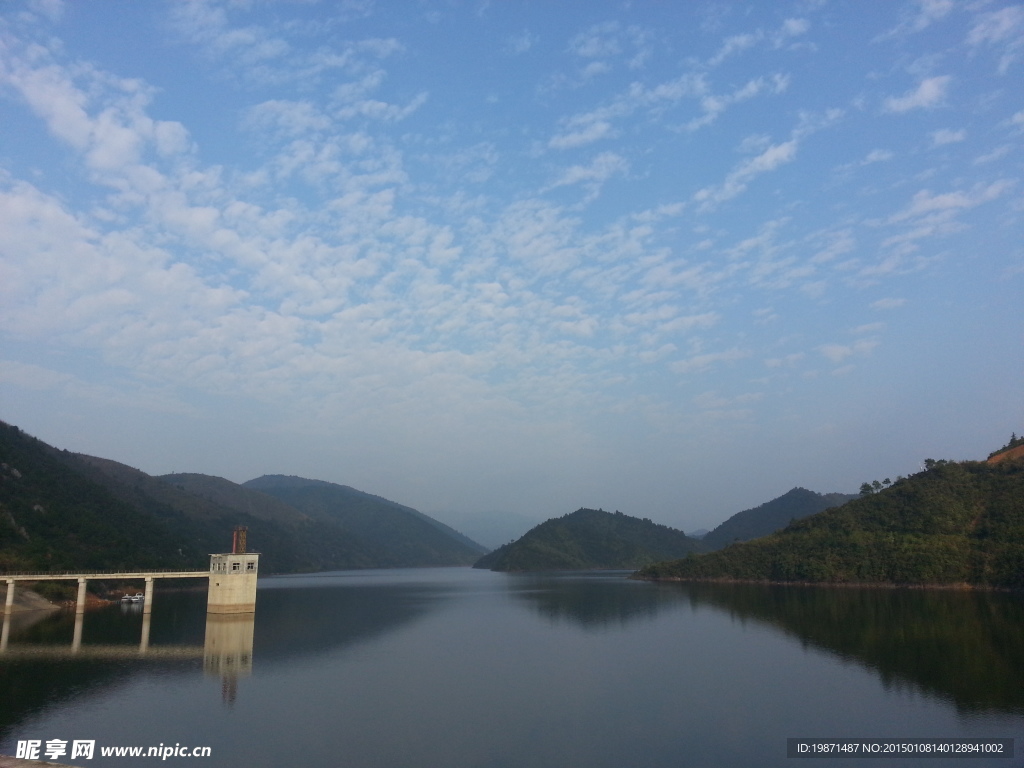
<point x="233" y="579"/>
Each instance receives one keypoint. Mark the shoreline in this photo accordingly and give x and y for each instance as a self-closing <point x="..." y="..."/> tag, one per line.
<point x="957" y="587"/>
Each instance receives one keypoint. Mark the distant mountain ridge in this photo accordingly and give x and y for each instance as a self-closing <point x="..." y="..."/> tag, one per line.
<point x="54" y="517"/>
<point x="772" y="516"/>
<point x="235" y="496"/>
<point x="590" y="539"/>
<point x="66" y="511"/>
<point x="951" y="524"/>
<point x="288" y="540"/>
<point x="411" y="536"/>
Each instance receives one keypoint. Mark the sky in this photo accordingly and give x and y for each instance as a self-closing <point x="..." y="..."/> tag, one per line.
<point x="502" y="260"/>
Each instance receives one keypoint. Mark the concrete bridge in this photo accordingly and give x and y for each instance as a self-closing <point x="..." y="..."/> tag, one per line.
<point x="232" y="582"/>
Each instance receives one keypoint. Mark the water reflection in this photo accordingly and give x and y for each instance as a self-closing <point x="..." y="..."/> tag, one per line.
<point x="327" y="613"/>
<point x="227" y="651"/>
<point x="39" y="664"/>
<point x="593" y="600"/>
<point x="964" y="647"/>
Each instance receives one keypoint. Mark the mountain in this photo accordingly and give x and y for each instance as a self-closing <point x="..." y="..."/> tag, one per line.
<point x="225" y="493"/>
<point x="53" y="516"/>
<point x="67" y="511"/>
<point x="407" y="535"/>
<point x="288" y="540"/>
<point x="490" y="529"/>
<point x="772" y="516"/>
<point x="953" y="523"/>
<point x="590" y="538"/>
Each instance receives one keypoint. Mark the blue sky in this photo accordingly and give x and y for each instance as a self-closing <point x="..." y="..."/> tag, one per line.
<point x="500" y="260"/>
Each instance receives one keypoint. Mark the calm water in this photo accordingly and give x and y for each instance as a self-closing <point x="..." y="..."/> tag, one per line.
<point x="455" y="667"/>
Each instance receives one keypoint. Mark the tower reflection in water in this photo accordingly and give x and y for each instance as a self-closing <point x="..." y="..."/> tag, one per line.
<point x="226" y="650"/>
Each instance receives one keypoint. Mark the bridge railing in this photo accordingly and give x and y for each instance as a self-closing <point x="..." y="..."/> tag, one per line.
<point x="42" y="576"/>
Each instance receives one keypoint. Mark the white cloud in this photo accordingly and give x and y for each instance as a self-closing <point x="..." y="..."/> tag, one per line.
<point x="713" y="106"/>
<point x="787" y="361"/>
<point x="593" y="176"/>
<point x="51" y="9"/>
<point x="888" y="303"/>
<point x="924" y="202"/>
<point x="733" y="45"/>
<point x="877" y="156"/>
<point x="77" y="391"/>
<point x="599" y="41"/>
<point x="998" y="153"/>
<point x="795" y="27"/>
<point x="597" y="124"/>
<point x="997" y="26"/>
<point x="711" y="400"/>
<point x="521" y="43"/>
<point x="837" y="353"/>
<point x="927" y="12"/>
<point x="419" y="280"/>
<point x="738" y="179"/>
<point x="582" y="132"/>
<point x="929" y="93"/>
<point x="947" y="136"/>
<point x="704" y="362"/>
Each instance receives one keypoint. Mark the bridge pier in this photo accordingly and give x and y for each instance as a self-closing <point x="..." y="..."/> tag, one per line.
<point x="144" y="640"/>
<point x="147" y="605"/>
<point x="9" y="605"/>
<point x="76" y="642"/>
<point x="80" y="603"/>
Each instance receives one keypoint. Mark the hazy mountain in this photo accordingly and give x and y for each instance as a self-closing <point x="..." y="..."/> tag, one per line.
<point x="405" y="533"/>
<point x="772" y="516"/>
<point x="287" y="539"/>
<point x="55" y="517"/>
<point x="954" y="523"/>
<point x="235" y="496"/>
<point x="65" y="511"/>
<point x="590" y="538"/>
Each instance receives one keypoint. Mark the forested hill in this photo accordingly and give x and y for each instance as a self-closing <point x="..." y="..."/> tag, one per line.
<point x="772" y="516"/>
<point x="954" y="523"/>
<point x="590" y="538"/>
<point x="54" y="518"/>
<point x="66" y="511"/>
<point x="408" y="535"/>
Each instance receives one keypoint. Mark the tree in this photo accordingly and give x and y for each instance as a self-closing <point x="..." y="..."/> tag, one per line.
<point x="866" y="489"/>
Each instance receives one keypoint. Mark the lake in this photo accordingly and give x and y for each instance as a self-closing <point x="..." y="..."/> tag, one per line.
<point x="453" y="667"/>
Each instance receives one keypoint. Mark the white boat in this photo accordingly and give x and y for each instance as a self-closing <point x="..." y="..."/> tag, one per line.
<point x="138" y="597"/>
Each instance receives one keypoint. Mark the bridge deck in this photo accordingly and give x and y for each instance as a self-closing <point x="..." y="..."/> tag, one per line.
<point x="93" y="575"/>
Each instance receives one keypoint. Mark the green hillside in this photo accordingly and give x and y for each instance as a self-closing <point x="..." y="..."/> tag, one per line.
<point x="405" y="535"/>
<point x="962" y="646"/>
<point x="772" y="516"/>
<point x="55" y="518"/>
<point x="208" y="508"/>
<point x="590" y="538"/>
<point x="954" y="523"/>
<point x="65" y="511"/>
<point x="227" y="494"/>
